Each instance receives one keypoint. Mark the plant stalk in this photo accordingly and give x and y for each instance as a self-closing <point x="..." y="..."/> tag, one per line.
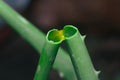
<point x="79" y="54"/>
<point x="36" y="38"/>
<point x="47" y="58"/>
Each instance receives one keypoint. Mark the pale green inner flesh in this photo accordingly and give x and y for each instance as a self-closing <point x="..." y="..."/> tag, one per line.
<point x="60" y="35"/>
<point x="56" y="36"/>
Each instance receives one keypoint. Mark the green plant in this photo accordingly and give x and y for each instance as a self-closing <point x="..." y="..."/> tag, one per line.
<point x="78" y="52"/>
<point x="53" y="41"/>
<point x="37" y="39"/>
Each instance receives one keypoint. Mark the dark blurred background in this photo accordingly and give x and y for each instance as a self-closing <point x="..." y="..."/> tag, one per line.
<point x="98" y="19"/>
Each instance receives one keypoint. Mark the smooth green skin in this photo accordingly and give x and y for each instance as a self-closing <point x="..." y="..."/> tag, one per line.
<point x="79" y="54"/>
<point x="48" y="55"/>
<point x="47" y="59"/>
<point x="23" y="27"/>
<point x="37" y="39"/>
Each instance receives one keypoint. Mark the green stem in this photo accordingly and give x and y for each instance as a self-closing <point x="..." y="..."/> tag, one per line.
<point x="36" y="38"/>
<point x="23" y="27"/>
<point x="53" y="40"/>
<point x="79" y="54"/>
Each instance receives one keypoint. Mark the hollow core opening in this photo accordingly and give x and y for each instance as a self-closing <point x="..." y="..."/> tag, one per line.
<point x="56" y="35"/>
<point x="69" y="31"/>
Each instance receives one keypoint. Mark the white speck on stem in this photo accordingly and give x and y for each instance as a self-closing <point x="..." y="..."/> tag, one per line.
<point x="61" y="74"/>
<point x="38" y="69"/>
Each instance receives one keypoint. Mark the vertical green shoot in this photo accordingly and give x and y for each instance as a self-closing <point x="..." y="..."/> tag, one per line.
<point x="79" y="54"/>
<point x="48" y="55"/>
